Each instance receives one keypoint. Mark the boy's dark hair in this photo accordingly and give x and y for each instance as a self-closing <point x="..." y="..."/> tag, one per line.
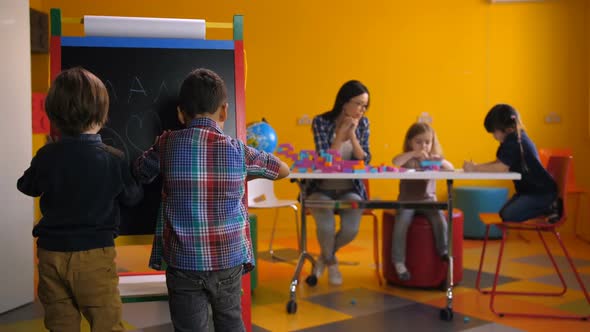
<point x="76" y="101"/>
<point x="502" y="117"/>
<point x="347" y="91"/>
<point x="202" y="92"/>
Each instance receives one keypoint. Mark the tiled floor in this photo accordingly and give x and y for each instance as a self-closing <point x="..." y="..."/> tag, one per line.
<point x="360" y="304"/>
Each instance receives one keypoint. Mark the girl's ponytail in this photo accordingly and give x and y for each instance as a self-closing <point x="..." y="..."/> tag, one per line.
<point x="518" y="128"/>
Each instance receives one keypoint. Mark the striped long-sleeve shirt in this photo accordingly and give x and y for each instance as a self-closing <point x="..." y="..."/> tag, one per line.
<point x="202" y="222"/>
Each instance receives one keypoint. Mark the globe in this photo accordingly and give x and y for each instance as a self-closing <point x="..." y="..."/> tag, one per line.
<point x="261" y="136"/>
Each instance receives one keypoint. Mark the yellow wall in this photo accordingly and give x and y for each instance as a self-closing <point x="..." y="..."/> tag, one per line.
<point x="452" y="59"/>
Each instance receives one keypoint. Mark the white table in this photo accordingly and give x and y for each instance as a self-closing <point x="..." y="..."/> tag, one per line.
<point x="410" y="175"/>
<point x="445" y="313"/>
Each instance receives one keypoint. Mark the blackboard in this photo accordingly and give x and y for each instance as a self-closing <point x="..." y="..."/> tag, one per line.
<point x="143" y="77"/>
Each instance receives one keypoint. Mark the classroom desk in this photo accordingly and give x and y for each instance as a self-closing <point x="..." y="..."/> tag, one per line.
<point x="445" y="313"/>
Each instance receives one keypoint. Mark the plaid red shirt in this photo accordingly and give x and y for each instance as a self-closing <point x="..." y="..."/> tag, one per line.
<point x="202" y="222"/>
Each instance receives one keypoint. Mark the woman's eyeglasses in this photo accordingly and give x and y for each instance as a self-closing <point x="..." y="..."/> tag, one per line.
<point x="360" y="105"/>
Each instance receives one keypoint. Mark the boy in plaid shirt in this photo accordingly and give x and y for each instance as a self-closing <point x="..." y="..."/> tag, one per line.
<point x="202" y="232"/>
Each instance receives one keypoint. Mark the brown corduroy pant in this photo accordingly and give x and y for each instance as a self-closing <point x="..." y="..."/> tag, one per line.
<point x="77" y="282"/>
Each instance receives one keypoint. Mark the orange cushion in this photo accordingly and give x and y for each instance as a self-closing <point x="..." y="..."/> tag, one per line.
<point x="490" y="218"/>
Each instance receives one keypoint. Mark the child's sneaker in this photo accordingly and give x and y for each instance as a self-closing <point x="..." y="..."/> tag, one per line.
<point x="319" y="267"/>
<point x="402" y="272"/>
<point x="334" y="275"/>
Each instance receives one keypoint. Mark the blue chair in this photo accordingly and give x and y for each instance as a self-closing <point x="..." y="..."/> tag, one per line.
<point x="475" y="200"/>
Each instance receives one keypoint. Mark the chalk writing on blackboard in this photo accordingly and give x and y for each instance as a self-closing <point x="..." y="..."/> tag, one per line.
<point x="111" y="89"/>
<point x="138" y="125"/>
<point x="163" y="90"/>
<point x="133" y="89"/>
<point x="135" y="124"/>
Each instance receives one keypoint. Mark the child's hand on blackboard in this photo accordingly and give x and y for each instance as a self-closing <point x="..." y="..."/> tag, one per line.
<point x="158" y="137"/>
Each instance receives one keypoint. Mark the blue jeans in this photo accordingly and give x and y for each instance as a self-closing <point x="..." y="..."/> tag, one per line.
<point x="524" y="207"/>
<point x="190" y="293"/>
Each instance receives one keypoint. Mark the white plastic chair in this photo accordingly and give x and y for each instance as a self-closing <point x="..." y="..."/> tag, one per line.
<point x="261" y="195"/>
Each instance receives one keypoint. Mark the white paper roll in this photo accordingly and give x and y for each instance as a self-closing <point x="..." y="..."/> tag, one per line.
<point x="120" y="26"/>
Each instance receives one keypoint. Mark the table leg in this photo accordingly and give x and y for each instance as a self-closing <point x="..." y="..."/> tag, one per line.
<point x="311" y="280"/>
<point x="447" y="312"/>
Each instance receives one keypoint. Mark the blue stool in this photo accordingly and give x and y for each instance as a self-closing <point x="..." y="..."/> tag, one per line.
<point x="475" y="200"/>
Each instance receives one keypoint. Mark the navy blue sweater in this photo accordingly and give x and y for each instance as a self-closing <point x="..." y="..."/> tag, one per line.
<point x="81" y="182"/>
<point x="534" y="181"/>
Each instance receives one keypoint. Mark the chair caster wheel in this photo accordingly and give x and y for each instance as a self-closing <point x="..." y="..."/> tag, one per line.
<point x="446" y="314"/>
<point x="312" y="280"/>
<point x="291" y="307"/>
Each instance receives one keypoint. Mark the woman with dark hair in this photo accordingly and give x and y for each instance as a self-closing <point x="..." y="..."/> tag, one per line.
<point x="345" y="129"/>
